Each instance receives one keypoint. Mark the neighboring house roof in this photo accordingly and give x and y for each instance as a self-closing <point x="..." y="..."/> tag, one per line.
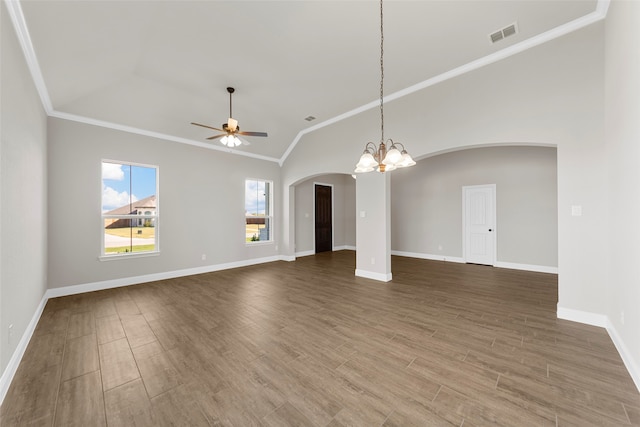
<point x="147" y="202"/>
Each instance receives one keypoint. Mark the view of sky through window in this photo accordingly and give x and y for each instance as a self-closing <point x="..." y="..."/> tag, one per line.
<point x="124" y="184"/>
<point x="255" y="197"/>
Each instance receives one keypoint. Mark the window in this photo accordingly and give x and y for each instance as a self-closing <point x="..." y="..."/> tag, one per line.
<point x="257" y="210"/>
<point x="129" y="209"/>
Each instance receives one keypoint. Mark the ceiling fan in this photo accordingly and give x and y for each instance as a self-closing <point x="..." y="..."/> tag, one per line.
<point x="231" y="129"/>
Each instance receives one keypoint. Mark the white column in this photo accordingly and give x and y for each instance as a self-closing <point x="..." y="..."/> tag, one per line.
<point x="287" y="242"/>
<point x="373" y="226"/>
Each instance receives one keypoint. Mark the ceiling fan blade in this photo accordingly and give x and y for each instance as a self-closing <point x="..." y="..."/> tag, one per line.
<point x="206" y="126"/>
<point x="230" y="130"/>
<point x="252" y="133"/>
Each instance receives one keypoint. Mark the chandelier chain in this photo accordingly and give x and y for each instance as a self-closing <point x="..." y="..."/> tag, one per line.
<point x="381" y="157"/>
<point x="381" y="76"/>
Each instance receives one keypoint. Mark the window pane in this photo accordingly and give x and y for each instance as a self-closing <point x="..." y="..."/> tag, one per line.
<point x="255" y="197"/>
<point x="143" y="182"/>
<point x="257" y="229"/>
<point x="116" y="188"/>
<point x="124" y="235"/>
<point x="129" y="208"/>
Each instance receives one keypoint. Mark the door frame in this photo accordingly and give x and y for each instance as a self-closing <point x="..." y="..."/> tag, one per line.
<point x="494" y="233"/>
<point x="313" y="189"/>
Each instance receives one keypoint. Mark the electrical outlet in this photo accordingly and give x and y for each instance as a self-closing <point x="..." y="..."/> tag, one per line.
<point x="440" y="248"/>
<point x="373" y="261"/>
<point x="10" y="333"/>
<point x="204" y="257"/>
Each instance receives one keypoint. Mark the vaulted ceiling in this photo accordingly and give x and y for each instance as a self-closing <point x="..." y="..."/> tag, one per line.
<point x="156" y="66"/>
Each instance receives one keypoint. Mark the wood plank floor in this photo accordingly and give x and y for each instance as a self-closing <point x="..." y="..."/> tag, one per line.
<point x="307" y="343"/>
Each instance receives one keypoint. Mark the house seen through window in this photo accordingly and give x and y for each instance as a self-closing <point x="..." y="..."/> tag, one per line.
<point x="129" y="208"/>
<point x="257" y="208"/>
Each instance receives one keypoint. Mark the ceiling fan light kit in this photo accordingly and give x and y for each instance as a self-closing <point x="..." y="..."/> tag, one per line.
<point x="231" y="128"/>
<point x="230" y="141"/>
<point x="379" y="158"/>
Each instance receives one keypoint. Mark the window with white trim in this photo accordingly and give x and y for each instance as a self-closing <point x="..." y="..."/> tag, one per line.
<point x="258" y="210"/>
<point x="130" y="215"/>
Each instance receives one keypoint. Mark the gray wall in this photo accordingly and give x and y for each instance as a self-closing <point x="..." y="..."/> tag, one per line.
<point x="201" y="204"/>
<point x="23" y="197"/>
<point x="344" y="208"/>
<point x="561" y="93"/>
<point x="550" y="95"/>
<point x="622" y="66"/>
<point x="426" y="208"/>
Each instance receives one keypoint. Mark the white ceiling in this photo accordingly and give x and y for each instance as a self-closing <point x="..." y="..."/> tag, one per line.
<point x="156" y="66"/>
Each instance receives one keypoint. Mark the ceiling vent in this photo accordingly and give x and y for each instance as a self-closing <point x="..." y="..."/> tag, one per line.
<point x="503" y="32"/>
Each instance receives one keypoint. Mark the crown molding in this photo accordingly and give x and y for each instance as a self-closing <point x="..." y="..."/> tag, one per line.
<point x="599" y="14"/>
<point x="152" y="134"/>
<point x="19" y="23"/>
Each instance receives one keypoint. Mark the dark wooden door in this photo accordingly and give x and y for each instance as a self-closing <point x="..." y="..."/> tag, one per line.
<point x="323" y="218"/>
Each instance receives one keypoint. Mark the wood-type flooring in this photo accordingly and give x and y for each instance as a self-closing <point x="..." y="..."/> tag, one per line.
<point x="307" y="343"/>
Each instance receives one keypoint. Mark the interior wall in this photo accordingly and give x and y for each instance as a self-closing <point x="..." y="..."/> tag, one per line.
<point x="344" y="207"/>
<point x="426" y="203"/>
<point x="201" y="204"/>
<point x="373" y="226"/>
<point x="552" y="94"/>
<point x="622" y="84"/>
<point x="23" y="197"/>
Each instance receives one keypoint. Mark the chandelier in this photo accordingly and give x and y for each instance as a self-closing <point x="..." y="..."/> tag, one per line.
<point x="380" y="158"/>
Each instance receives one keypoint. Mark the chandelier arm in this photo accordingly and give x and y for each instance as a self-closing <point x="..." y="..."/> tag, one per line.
<point x="371" y="148"/>
<point x="396" y="144"/>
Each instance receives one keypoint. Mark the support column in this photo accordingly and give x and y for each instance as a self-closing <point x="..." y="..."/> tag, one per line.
<point x="373" y="226"/>
<point x="287" y="243"/>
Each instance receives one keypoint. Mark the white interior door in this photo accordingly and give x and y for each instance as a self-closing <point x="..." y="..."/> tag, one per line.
<point x="479" y="224"/>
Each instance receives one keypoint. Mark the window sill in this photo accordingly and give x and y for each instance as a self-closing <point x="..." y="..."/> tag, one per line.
<point x="127" y="256"/>
<point x="259" y="243"/>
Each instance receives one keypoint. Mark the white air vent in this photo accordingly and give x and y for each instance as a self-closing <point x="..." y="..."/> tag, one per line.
<point x="503" y="32"/>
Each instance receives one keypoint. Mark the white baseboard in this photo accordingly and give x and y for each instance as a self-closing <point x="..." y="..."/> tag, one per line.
<point x="603" y="321"/>
<point x="527" y="267"/>
<point x="126" y="281"/>
<point x="629" y="362"/>
<point x="513" y="266"/>
<point x="381" y="277"/>
<point x="428" y="256"/>
<point x="335" y="248"/>
<point x="14" y="362"/>
<point x="593" y="319"/>
<point x="305" y="253"/>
